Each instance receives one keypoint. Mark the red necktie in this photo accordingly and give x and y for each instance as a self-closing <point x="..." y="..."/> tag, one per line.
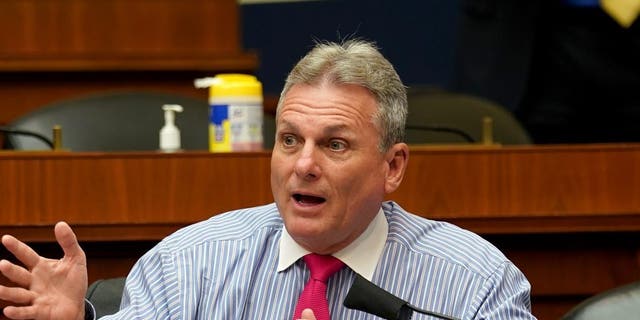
<point x="314" y="295"/>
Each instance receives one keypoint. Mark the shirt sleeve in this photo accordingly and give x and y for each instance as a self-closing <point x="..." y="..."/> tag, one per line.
<point x="152" y="290"/>
<point x="506" y="295"/>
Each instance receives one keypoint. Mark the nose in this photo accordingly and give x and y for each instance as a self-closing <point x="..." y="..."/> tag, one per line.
<point x="307" y="167"/>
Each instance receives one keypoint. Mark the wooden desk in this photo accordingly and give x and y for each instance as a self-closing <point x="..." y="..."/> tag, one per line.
<point x="568" y="216"/>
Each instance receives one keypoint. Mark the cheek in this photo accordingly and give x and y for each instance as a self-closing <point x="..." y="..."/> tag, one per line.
<point x="363" y="183"/>
<point x="277" y="175"/>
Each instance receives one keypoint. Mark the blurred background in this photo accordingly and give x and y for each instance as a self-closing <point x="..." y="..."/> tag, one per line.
<point x="567" y="70"/>
<point x="418" y="37"/>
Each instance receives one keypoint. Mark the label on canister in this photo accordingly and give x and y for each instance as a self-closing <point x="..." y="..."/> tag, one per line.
<point x="235" y="127"/>
<point x="235" y="122"/>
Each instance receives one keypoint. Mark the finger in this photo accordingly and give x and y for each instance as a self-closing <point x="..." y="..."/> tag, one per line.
<point x="68" y="241"/>
<point x="23" y="252"/>
<point x="16" y="295"/>
<point x="26" y="312"/>
<point x="15" y="273"/>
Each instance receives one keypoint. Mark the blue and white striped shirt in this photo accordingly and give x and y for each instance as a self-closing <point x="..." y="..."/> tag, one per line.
<point x="226" y="268"/>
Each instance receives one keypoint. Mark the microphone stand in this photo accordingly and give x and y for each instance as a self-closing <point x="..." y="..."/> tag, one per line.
<point x="366" y="296"/>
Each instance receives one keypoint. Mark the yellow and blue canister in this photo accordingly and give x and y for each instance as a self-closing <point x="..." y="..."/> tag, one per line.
<point x="236" y="113"/>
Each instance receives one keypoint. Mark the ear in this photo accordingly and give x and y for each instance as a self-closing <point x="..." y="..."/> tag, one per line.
<point x="397" y="158"/>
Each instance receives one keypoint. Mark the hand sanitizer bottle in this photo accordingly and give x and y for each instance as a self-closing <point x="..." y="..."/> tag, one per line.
<point x="169" y="134"/>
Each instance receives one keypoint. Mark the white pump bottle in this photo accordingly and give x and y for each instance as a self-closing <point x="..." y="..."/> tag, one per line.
<point x="169" y="134"/>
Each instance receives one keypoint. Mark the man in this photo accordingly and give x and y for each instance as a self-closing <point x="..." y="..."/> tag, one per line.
<point x="338" y="152"/>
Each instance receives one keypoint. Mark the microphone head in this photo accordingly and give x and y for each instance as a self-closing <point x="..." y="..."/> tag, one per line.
<point x="366" y="296"/>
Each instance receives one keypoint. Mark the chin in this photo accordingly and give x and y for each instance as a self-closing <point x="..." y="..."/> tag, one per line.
<point x="300" y="227"/>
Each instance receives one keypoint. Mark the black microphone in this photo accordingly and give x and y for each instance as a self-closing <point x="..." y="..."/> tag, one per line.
<point x="9" y="131"/>
<point x="368" y="297"/>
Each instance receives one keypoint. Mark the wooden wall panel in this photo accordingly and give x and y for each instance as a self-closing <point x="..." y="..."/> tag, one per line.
<point x="118" y="29"/>
<point x="578" y="188"/>
<point x="536" y="181"/>
<point x="59" y="49"/>
<point x="129" y="189"/>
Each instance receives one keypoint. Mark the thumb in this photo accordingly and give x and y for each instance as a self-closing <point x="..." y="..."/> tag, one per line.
<point x="307" y="314"/>
<point x="68" y="241"/>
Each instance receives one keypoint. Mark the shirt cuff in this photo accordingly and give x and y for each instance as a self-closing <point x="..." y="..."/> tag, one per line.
<point x="89" y="311"/>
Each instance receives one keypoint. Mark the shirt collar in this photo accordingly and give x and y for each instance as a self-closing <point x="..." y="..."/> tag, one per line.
<point x="361" y="255"/>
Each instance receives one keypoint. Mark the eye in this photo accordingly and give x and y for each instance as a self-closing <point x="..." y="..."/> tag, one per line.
<point x="337" y="145"/>
<point x="289" y="140"/>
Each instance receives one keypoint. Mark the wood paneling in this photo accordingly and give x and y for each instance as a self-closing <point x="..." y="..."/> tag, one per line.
<point x="541" y="181"/>
<point x="568" y="216"/>
<point x="132" y="189"/>
<point x="59" y="49"/>
<point x="84" y="35"/>
<point x="521" y="189"/>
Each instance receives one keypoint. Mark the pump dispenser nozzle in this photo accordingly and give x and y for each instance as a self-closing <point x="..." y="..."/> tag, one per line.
<point x="169" y="134"/>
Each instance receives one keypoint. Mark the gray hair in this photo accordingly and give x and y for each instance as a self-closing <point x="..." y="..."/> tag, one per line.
<point x="357" y="62"/>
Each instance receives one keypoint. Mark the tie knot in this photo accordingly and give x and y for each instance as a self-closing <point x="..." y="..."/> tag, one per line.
<point x="322" y="267"/>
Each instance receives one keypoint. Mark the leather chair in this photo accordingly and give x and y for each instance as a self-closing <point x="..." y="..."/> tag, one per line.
<point x="106" y="295"/>
<point x="437" y="116"/>
<point x="114" y="121"/>
<point x="619" y="303"/>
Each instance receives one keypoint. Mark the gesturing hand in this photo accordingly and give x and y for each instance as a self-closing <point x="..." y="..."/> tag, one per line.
<point x="48" y="288"/>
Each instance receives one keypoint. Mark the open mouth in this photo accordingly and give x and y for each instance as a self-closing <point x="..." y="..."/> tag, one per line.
<point x="307" y="200"/>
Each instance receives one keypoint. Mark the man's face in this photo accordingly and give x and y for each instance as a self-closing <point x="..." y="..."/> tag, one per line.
<point x="327" y="173"/>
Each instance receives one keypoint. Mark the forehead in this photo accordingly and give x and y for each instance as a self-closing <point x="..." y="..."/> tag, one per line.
<point x="340" y="104"/>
